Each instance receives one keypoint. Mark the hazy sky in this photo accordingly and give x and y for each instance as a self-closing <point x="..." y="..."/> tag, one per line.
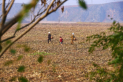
<point x="75" y="2"/>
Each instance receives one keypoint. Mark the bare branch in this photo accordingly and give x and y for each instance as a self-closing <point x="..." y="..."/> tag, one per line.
<point x="7" y="39"/>
<point x="43" y="2"/>
<point x="13" y="36"/>
<point x="40" y="9"/>
<point x="9" y="24"/>
<point x="49" y="6"/>
<point x="10" y="6"/>
<point x="30" y="22"/>
<point x="6" y="12"/>
<point x="32" y="12"/>
<point x="33" y="19"/>
<point x="5" y="7"/>
<point x="31" y="26"/>
<point x="3" y="12"/>
<point x="57" y="7"/>
<point x="41" y="12"/>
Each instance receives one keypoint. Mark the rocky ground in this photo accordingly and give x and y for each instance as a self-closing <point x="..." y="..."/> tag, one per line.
<point x="61" y="63"/>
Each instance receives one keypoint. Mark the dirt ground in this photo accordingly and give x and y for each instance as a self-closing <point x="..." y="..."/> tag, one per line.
<point x="61" y="63"/>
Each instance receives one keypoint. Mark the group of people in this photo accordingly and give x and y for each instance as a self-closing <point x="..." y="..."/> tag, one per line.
<point x="61" y="39"/>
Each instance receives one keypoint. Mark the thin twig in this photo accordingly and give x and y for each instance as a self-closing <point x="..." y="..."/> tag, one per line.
<point x="7" y="39"/>
<point x="8" y="4"/>
<point x="30" y="27"/>
<point x="23" y="27"/>
<point x="3" y="17"/>
<point x="14" y="20"/>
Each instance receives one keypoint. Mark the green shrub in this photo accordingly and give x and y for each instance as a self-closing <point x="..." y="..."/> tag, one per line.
<point x="113" y="40"/>
<point x="22" y="79"/>
<point x="40" y="59"/>
<point x="21" y="69"/>
<point x="8" y="62"/>
<point x="19" y="57"/>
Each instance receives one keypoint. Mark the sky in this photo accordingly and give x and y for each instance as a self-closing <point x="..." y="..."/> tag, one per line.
<point x="75" y="2"/>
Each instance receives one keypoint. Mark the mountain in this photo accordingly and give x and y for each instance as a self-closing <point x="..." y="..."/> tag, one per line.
<point x="94" y="13"/>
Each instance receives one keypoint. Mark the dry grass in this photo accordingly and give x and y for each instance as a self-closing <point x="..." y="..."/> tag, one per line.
<point x="62" y="63"/>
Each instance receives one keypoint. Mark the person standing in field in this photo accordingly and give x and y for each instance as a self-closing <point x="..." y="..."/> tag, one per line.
<point x="49" y="37"/>
<point x="61" y="40"/>
<point x="72" y="38"/>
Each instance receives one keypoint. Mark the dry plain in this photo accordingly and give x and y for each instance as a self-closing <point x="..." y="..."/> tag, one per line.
<point x="61" y="63"/>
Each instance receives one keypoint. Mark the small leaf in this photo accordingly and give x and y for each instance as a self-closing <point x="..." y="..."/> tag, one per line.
<point x="8" y="41"/>
<point x="58" y="2"/>
<point x="91" y="49"/>
<point x="43" y="2"/>
<point x="82" y="4"/>
<point x="22" y="79"/>
<point x="26" y="49"/>
<point x="98" y="71"/>
<point x="21" y="69"/>
<point x="93" y="74"/>
<point x="111" y="18"/>
<point x="62" y="9"/>
<point x="8" y="62"/>
<point x="19" y="46"/>
<point x="18" y="28"/>
<point x="114" y="22"/>
<point x="13" y="51"/>
<point x="54" y="68"/>
<point x="12" y="79"/>
<point x="49" y="62"/>
<point x="40" y="59"/>
<point x="19" y="57"/>
<point x="105" y="46"/>
<point x="95" y="65"/>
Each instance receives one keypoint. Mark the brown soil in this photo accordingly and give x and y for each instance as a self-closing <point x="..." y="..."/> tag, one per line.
<point x="67" y="63"/>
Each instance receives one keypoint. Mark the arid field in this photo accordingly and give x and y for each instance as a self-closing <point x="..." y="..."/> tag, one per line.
<point x="61" y="63"/>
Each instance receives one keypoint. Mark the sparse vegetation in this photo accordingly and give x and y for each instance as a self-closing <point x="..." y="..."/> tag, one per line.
<point x="113" y="41"/>
<point x="71" y="62"/>
<point x="40" y="53"/>
<point x="49" y="62"/>
<point x="21" y="69"/>
<point x="40" y="59"/>
<point x="9" y="62"/>
<point x="13" y="79"/>
<point x="13" y="51"/>
<point x="22" y="79"/>
<point x="19" y="57"/>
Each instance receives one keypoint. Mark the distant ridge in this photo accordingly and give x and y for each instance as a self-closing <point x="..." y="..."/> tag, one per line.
<point x="94" y="13"/>
<point x="74" y="13"/>
<point x="72" y="6"/>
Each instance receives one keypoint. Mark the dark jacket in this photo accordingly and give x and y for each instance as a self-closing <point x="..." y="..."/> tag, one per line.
<point x="49" y="36"/>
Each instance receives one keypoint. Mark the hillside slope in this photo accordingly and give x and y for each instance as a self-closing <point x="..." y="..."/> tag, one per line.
<point x="94" y="13"/>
